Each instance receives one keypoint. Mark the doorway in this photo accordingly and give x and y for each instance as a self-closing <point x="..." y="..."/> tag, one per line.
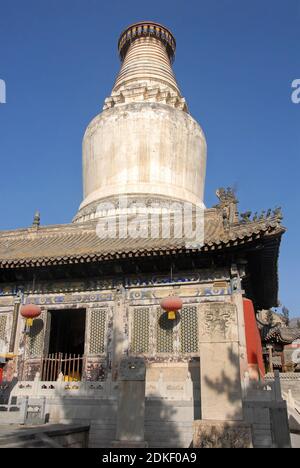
<point x="66" y="345"/>
<point x="67" y="331"/>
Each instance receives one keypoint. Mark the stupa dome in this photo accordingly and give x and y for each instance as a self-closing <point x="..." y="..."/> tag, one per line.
<point x="144" y="144"/>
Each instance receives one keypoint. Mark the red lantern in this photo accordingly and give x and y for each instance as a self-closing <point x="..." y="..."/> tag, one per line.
<point x="30" y="312"/>
<point x="171" y="305"/>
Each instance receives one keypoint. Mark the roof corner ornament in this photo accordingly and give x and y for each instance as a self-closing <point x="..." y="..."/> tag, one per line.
<point x="36" y="219"/>
<point x="245" y="217"/>
<point x="226" y="196"/>
<point x="263" y="216"/>
<point x="275" y="331"/>
<point x="277" y="213"/>
<point x="228" y="204"/>
<point x="236" y="283"/>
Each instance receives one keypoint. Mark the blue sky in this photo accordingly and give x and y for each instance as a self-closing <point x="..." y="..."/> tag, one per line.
<point x="235" y="64"/>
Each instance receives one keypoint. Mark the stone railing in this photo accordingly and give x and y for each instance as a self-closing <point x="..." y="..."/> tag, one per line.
<point x="262" y="403"/>
<point x="287" y="376"/>
<point x="13" y="413"/>
<point x="289" y="381"/>
<point x="293" y="407"/>
<point x="267" y="390"/>
<point x="171" y="390"/>
<point x="291" y="401"/>
<point x="37" y="389"/>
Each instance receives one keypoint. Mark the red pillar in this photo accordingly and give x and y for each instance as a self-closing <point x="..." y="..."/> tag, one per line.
<point x="253" y="341"/>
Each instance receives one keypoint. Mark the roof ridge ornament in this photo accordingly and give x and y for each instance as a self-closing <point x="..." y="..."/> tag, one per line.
<point x="226" y="196"/>
<point x="263" y="216"/>
<point x="37" y="219"/>
<point x="228" y="204"/>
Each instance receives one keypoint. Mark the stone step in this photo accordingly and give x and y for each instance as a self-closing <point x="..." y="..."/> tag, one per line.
<point x="19" y="443"/>
<point x="46" y="436"/>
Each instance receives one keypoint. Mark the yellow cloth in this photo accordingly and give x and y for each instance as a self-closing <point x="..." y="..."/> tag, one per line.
<point x="73" y="377"/>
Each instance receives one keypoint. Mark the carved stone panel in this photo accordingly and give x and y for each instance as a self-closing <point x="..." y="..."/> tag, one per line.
<point x="217" y="434"/>
<point x="96" y="370"/>
<point x="218" y="322"/>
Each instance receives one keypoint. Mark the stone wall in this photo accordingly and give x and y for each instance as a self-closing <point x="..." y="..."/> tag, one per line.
<point x="172" y="403"/>
<point x="168" y="424"/>
<point x="269" y="423"/>
<point x="116" y="318"/>
<point x="205" y="344"/>
<point x="289" y="381"/>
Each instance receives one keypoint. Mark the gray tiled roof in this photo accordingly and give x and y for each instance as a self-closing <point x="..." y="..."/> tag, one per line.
<point x="62" y="244"/>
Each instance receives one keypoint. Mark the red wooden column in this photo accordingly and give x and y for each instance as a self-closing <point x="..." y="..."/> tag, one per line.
<point x="253" y="341"/>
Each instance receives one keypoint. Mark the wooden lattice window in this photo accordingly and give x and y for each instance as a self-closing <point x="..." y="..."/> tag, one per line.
<point x="35" y="340"/>
<point x="3" y="322"/>
<point x="140" y="330"/>
<point x="98" y="318"/>
<point x="189" y="340"/>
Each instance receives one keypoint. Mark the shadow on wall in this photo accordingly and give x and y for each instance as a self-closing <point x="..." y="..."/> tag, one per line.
<point x="225" y="393"/>
<point x="194" y="371"/>
<point x="162" y="429"/>
<point x="229" y="386"/>
<point x="258" y="419"/>
<point x="120" y="416"/>
<point x="158" y="419"/>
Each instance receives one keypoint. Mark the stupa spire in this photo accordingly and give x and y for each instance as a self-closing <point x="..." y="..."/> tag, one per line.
<point x="147" y="51"/>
